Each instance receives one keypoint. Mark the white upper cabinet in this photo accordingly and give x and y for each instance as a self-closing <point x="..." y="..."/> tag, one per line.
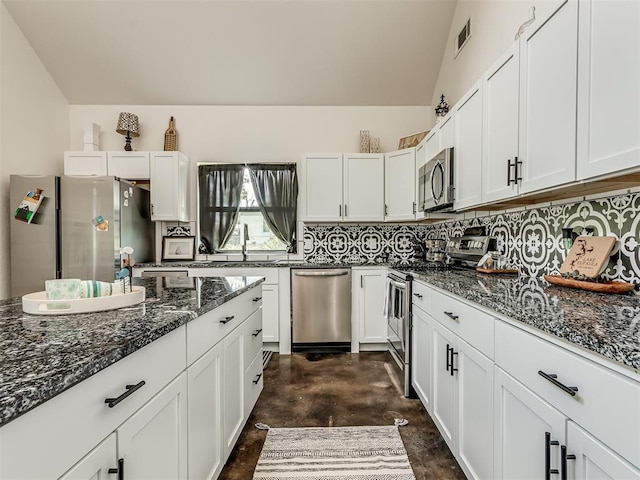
<point x="467" y="155"/>
<point x="129" y="165"/>
<point x="548" y="89"/>
<point x="500" y="127"/>
<point x="363" y="187"/>
<point x="608" y="87"/>
<point x="85" y="163"/>
<point x="399" y="185"/>
<point x="322" y="178"/>
<point x="420" y="161"/>
<point x="339" y="187"/>
<point x="169" y="186"/>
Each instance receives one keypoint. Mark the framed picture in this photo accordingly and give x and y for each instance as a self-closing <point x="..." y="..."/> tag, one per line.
<point x="412" y="140"/>
<point x="178" y="248"/>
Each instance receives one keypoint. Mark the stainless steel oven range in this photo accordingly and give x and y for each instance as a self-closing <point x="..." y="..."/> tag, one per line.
<point x="398" y="314"/>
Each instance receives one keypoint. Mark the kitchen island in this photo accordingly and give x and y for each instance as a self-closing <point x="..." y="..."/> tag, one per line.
<point x="59" y="371"/>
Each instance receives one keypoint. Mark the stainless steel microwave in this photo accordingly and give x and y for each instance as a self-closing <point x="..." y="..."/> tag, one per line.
<point x="435" y="183"/>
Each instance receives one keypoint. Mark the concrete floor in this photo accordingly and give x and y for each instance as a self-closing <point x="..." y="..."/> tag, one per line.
<point x="340" y="389"/>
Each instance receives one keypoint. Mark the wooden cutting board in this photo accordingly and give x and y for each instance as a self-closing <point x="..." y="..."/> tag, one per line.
<point x="588" y="255"/>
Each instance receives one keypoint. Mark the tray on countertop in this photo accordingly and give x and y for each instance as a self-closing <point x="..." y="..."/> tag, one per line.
<point x="496" y="270"/>
<point x="605" y="287"/>
<point x="38" y="304"/>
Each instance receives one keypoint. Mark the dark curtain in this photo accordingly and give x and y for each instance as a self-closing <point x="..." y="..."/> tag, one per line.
<point x="219" y="189"/>
<point x="276" y="189"/>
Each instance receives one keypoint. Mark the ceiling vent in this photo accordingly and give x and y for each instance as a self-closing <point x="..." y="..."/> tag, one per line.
<point x="463" y="37"/>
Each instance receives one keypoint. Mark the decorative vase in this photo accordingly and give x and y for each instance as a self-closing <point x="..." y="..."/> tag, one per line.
<point x="364" y="141"/>
<point x="171" y="137"/>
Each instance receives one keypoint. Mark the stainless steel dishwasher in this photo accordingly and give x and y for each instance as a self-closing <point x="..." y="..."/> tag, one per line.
<point x="321" y="309"/>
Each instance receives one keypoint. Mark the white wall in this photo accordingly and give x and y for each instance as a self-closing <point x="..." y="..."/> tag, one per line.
<point x="494" y="24"/>
<point x="34" y="124"/>
<point x="252" y="134"/>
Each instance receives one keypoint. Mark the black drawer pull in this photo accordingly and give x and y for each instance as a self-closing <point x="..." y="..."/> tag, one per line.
<point x="255" y="382"/>
<point x="227" y="319"/>
<point x="119" y="470"/>
<point x="453" y="369"/>
<point x="257" y="299"/>
<point x="451" y="315"/>
<point x="552" y="378"/>
<point x="563" y="461"/>
<point x="419" y="295"/>
<point x="112" y="402"/>
<point x="548" y="471"/>
<point x="256" y="333"/>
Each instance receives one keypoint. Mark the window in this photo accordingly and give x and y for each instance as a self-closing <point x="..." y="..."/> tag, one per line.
<point x="261" y="198"/>
<point x="260" y="235"/>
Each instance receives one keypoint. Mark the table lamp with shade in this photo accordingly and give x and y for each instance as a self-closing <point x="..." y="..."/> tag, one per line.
<point x="128" y="126"/>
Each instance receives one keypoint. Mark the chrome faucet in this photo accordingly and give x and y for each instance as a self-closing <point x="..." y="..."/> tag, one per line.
<point x="245" y="237"/>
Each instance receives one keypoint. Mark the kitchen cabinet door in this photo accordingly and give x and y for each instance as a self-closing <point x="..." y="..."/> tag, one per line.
<point x="608" y="87"/>
<point x="421" y="160"/>
<point x="444" y="383"/>
<point x="233" y="389"/>
<point x="85" y="163"/>
<point x="446" y="132"/>
<point x="368" y="287"/>
<point x="363" y="187"/>
<point x="548" y="79"/>
<point x="421" y="356"/>
<point x="153" y="442"/>
<point x="270" y="313"/>
<point x="521" y="420"/>
<point x="97" y="463"/>
<point x="204" y="380"/>
<point x="399" y="185"/>
<point x="128" y="165"/>
<point x="500" y="127"/>
<point x="169" y="186"/>
<point x="467" y="163"/>
<point x="432" y="143"/>
<point x="475" y="411"/>
<point x="322" y="180"/>
<point x="593" y="460"/>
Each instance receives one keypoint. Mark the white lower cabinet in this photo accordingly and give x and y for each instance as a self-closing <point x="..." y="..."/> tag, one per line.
<point x="270" y="313"/>
<point x="522" y="421"/>
<point x="444" y="384"/>
<point x="204" y="378"/>
<point x="421" y="341"/>
<point x="368" y="288"/>
<point x="232" y="395"/>
<point x="153" y="443"/>
<point x="98" y="464"/>
<point x="588" y="459"/>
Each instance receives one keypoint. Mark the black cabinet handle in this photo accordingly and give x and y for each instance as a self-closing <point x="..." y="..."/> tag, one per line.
<point x="414" y="208"/>
<point x="563" y="461"/>
<point x="448" y="361"/>
<point x="548" y="471"/>
<point x="386" y="210"/>
<point x="552" y="377"/>
<point x="340" y="210"/>
<point x="509" y="181"/>
<point x="417" y="295"/>
<point x="226" y="320"/>
<point x="119" y="470"/>
<point x="346" y="214"/>
<point x="451" y="315"/>
<point x="517" y="163"/>
<point x="453" y="369"/>
<point x="256" y="333"/>
<point x="255" y="382"/>
<point x="112" y="402"/>
<point x="257" y="299"/>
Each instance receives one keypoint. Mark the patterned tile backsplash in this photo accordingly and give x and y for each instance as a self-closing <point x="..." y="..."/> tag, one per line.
<point x="531" y="238"/>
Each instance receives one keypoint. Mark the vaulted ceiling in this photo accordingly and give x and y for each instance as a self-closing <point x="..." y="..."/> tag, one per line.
<point x="239" y="52"/>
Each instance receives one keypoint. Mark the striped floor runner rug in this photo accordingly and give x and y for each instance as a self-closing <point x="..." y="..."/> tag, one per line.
<point x="333" y="453"/>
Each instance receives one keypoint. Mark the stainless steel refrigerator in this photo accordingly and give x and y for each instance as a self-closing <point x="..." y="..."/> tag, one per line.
<point x="77" y="230"/>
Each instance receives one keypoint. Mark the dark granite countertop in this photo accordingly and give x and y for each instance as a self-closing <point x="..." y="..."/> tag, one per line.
<point x="43" y="355"/>
<point x="608" y="325"/>
<point x="254" y="264"/>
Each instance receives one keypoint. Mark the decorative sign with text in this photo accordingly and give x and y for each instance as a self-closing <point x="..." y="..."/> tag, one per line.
<point x="588" y="255"/>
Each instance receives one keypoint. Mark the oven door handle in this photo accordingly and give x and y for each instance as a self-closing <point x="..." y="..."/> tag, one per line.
<point x="398" y="285"/>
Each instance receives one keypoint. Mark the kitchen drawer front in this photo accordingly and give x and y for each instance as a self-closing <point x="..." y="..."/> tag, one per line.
<point x="207" y="330"/>
<point x="470" y="324"/>
<point x="606" y="404"/>
<point x="253" y="337"/>
<point x="270" y="274"/>
<point x="61" y="431"/>
<point x="253" y="383"/>
<point x="421" y="295"/>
